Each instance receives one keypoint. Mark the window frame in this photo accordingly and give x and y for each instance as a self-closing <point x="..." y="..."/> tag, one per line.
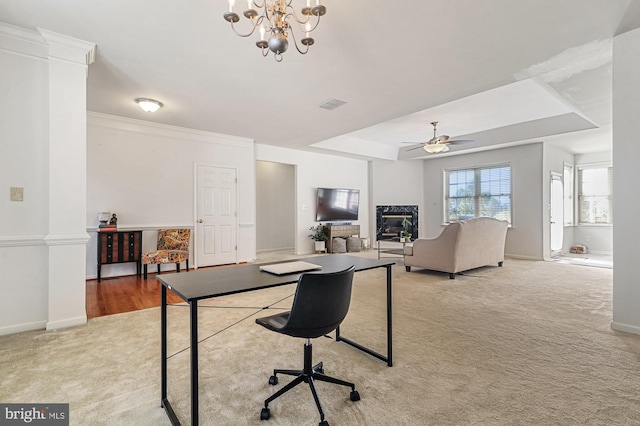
<point x="578" y="213"/>
<point x="477" y="196"/>
<point x="568" y="179"/>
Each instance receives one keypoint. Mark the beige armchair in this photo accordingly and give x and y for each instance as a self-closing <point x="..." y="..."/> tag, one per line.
<point x="460" y="246"/>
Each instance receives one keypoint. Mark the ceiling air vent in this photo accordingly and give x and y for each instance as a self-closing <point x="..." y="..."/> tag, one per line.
<point x="332" y="104"/>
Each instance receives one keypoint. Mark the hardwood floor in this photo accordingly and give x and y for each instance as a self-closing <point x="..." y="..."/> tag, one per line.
<point x="124" y="294"/>
<point x="128" y="293"/>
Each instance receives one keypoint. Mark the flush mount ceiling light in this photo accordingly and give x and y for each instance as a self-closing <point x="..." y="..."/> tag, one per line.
<point x="148" y="105"/>
<point x="277" y="19"/>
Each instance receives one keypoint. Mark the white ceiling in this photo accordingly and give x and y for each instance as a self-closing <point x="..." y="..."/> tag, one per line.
<point x="496" y="71"/>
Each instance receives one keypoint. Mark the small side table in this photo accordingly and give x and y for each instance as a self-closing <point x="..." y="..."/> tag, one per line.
<point x="394" y="251"/>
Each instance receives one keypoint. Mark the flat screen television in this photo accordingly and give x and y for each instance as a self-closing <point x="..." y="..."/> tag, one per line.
<point x="335" y="204"/>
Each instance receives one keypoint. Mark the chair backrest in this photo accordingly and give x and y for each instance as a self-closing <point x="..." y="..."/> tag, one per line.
<point x="485" y="233"/>
<point x="320" y="304"/>
<point x="174" y="239"/>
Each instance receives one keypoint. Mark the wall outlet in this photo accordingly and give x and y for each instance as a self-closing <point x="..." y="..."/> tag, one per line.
<point x="588" y="238"/>
<point x="16" y="193"/>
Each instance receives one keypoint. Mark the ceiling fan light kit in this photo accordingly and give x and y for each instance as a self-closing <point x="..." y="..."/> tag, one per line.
<point x="437" y="144"/>
<point x="277" y="19"/>
<point x="435" y="148"/>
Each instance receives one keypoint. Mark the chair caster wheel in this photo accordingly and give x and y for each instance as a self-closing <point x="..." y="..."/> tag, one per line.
<point x="273" y="380"/>
<point x="265" y="414"/>
<point x="354" y="395"/>
<point x="324" y="423"/>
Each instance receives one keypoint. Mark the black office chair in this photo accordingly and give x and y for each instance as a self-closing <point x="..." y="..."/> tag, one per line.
<point x="319" y="306"/>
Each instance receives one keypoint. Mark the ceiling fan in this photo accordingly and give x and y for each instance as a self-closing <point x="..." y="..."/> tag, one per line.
<point x="438" y="144"/>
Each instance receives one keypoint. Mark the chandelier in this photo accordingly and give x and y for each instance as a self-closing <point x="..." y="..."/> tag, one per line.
<point x="276" y="21"/>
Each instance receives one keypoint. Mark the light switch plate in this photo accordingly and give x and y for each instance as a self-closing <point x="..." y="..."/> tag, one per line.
<point x="16" y="193"/>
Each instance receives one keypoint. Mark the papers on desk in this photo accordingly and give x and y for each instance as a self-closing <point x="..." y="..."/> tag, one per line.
<point x="290" y="268"/>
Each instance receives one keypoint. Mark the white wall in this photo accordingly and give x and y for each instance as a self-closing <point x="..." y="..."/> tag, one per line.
<point x="525" y="237"/>
<point x="144" y="172"/>
<point x="319" y="170"/>
<point x="42" y="141"/>
<point x="23" y="163"/>
<point x="276" y="206"/>
<point x="626" y="175"/>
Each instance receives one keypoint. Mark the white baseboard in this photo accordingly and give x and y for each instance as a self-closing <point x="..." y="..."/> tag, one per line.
<point x="625" y="327"/>
<point x="517" y="256"/>
<point x="68" y="322"/>
<point x="19" y="328"/>
<point x="273" y="250"/>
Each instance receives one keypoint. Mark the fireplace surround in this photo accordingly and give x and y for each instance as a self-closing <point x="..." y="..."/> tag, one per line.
<point x="389" y="222"/>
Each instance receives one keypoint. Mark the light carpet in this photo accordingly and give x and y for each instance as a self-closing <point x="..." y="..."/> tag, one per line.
<point x="526" y="344"/>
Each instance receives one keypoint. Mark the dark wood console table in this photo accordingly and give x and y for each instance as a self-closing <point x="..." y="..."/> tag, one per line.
<point x="120" y="247"/>
<point x="341" y="231"/>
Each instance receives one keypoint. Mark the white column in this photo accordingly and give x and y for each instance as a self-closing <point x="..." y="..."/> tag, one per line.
<point x="66" y="240"/>
<point x="626" y="175"/>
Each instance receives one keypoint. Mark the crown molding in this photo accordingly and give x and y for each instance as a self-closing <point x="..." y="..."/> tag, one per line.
<point x="22" y="41"/>
<point x="69" y="48"/>
<point x="159" y="129"/>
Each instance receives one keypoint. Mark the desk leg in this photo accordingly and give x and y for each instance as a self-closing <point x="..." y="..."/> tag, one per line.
<point x="194" y="361"/>
<point x="389" y="319"/>
<point x="389" y="358"/>
<point x="163" y="342"/>
<point x="163" y="357"/>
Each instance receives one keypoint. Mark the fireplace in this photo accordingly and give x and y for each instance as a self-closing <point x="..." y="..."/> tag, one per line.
<point x="389" y="222"/>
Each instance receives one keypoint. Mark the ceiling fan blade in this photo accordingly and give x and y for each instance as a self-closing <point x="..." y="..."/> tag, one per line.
<point x="414" y="148"/>
<point x="461" y="141"/>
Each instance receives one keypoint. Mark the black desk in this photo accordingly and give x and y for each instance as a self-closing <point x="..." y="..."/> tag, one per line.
<point x="208" y="283"/>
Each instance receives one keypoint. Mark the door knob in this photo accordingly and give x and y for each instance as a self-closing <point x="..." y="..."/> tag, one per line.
<point x="199" y="220"/>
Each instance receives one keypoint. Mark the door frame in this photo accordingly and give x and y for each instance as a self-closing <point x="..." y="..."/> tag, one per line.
<point x="196" y="236"/>
<point x="555" y="177"/>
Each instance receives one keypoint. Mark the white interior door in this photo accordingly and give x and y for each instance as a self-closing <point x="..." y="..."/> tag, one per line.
<point x="216" y="221"/>
<point x="557" y="214"/>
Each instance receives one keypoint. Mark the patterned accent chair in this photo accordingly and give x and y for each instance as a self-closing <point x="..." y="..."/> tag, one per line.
<point x="173" y="247"/>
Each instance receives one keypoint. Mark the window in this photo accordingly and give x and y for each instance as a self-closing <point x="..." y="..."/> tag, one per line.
<point x="595" y="189"/>
<point x="568" y="194"/>
<point x="482" y="191"/>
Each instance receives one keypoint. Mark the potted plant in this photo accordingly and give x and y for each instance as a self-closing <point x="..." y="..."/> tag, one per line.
<point x="405" y="235"/>
<point x="319" y="235"/>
